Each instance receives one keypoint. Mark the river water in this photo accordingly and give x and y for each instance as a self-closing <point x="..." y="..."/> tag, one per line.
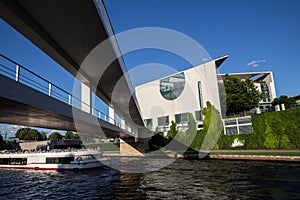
<point x="183" y="179"/>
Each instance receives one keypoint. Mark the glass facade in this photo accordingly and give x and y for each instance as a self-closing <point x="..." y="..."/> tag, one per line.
<point x="265" y="91"/>
<point x="200" y="95"/>
<point x="171" y="87"/>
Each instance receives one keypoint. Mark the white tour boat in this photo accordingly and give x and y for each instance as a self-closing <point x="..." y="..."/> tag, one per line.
<point x="53" y="160"/>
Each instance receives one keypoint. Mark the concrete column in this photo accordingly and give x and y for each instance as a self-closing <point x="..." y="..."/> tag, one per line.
<point x="131" y="148"/>
<point x="258" y="111"/>
<point x="86" y="98"/>
<point x="111" y="115"/>
<point x="277" y="108"/>
<point x="123" y="123"/>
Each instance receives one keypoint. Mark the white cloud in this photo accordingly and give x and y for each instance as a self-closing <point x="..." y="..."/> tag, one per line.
<point x="256" y="63"/>
<point x="9" y="129"/>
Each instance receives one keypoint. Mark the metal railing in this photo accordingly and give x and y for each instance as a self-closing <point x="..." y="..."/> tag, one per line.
<point x="21" y="74"/>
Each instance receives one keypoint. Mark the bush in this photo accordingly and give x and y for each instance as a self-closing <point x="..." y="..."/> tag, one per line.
<point x="274" y="130"/>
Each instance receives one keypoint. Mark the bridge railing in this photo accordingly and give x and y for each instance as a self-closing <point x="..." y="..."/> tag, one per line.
<point x="21" y="74"/>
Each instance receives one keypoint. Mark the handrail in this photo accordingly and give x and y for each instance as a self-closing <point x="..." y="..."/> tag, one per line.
<point x="34" y="84"/>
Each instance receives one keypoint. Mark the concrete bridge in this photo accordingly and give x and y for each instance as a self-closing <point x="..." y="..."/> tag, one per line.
<point x="68" y="31"/>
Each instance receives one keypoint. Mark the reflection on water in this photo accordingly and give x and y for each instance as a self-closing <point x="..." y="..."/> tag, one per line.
<point x="183" y="179"/>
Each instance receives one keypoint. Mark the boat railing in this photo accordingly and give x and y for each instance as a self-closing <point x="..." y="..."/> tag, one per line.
<point x="72" y="150"/>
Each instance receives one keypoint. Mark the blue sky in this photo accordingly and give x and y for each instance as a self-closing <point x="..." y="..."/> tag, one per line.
<point x="258" y="35"/>
<point x="264" y="31"/>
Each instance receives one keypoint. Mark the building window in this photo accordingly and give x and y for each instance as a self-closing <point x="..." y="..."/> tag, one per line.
<point x="265" y="92"/>
<point x="181" y="118"/>
<point x="163" y="121"/>
<point x="200" y="95"/>
<point x="231" y="130"/>
<point x="171" y="87"/>
<point x="148" y="123"/>
<point x="246" y="120"/>
<point x="245" y="129"/>
<point x="199" y="116"/>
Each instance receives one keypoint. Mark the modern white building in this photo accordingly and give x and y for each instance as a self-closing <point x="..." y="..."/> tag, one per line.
<point x="173" y="97"/>
<point x="264" y="83"/>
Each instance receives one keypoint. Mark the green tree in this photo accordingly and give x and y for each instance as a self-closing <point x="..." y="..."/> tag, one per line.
<point x="212" y="127"/>
<point x="55" y="136"/>
<point x="44" y="135"/>
<point x="71" y="135"/>
<point x="192" y="126"/>
<point x="187" y="137"/>
<point x="241" y="95"/>
<point x="28" y="134"/>
<point x="287" y="101"/>
<point x="76" y="136"/>
<point x="173" y="130"/>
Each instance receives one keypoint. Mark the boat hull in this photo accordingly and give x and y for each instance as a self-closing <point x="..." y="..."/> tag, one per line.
<point x="78" y="166"/>
<point x="78" y="160"/>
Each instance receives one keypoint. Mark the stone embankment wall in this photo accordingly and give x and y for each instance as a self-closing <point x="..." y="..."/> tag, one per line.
<point x="32" y="145"/>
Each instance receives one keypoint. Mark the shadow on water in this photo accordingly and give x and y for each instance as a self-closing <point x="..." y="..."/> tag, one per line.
<point x="183" y="179"/>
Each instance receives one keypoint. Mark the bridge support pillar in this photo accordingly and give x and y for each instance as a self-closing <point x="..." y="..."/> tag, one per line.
<point x="128" y="147"/>
<point x="86" y="98"/>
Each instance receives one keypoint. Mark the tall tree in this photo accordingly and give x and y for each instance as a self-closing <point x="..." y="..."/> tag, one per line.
<point x="44" y="135"/>
<point x="241" y="95"/>
<point x="55" y="136"/>
<point x="71" y="135"/>
<point x="173" y="130"/>
<point x="212" y="126"/>
<point x="29" y="134"/>
<point x="192" y="126"/>
<point x="287" y="101"/>
<point x="187" y="137"/>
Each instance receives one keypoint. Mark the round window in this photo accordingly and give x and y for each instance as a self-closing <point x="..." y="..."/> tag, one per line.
<point x="172" y="86"/>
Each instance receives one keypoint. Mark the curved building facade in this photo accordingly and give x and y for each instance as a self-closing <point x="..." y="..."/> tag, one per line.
<point x="171" y="98"/>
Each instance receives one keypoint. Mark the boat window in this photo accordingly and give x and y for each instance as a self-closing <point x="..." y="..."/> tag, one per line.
<point x="13" y="161"/>
<point x="4" y="161"/>
<point x="59" y="160"/>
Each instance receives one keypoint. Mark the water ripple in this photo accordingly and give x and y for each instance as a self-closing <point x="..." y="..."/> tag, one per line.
<point x="183" y="179"/>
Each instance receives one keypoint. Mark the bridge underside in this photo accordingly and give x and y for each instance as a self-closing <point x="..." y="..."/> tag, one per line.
<point x="68" y="31"/>
<point x="25" y="106"/>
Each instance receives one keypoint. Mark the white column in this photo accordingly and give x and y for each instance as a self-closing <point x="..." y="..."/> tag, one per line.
<point x="258" y="111"/>
<point x="122" y="123"/>
<point x="277" y="108"/>
<point x="111" y="115"/>
<point x="282" y="106"/>
<point x="86" y="98"/>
